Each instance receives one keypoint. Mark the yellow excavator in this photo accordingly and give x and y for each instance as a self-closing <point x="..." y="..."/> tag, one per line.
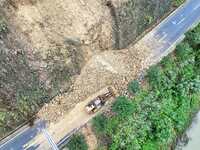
<point x="99" y="101"/>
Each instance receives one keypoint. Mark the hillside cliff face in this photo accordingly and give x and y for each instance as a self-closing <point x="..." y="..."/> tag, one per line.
<point x="47" y="42"/>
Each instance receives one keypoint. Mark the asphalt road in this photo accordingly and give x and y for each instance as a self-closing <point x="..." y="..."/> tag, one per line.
<point x="172" y="28"/>
<point x="167" y="33"/>
<point x="19" y="140"/>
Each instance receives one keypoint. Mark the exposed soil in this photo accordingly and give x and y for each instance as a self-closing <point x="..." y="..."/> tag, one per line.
<point x="90" y="137"/>
<point x="71" y="47"/>
<point x="115" y="68"/>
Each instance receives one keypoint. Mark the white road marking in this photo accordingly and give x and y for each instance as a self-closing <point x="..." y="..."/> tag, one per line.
<point x="164" y="36"/>
<point x="50" y="140"/>
<point x="181" y="21"/>
<point x="196" y="7"/>
<point x="157" y="36"/>
<point x="10" y="140"/>
<point x="174" y="22"/>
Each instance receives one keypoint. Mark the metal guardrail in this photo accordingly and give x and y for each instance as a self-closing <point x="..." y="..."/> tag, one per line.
<point x="10" y="134"/>
<point x="66" y="139"/>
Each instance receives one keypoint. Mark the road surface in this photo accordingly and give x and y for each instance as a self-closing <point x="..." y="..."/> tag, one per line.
<point x="166" y="35"/>
<point x="19" y="139"/>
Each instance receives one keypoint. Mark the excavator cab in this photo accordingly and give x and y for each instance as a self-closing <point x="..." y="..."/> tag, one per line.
<point x="99" y="101"/>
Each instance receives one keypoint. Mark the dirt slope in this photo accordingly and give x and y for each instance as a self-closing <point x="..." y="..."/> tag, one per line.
<point x="48" y="23"/>
<point x="67" y="46"/>
<point x="115" y="68"/>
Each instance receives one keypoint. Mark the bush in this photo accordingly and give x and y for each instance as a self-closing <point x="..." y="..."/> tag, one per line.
<point x="183" y="51"/>
<point x="77" y="142"/>
<point x="99" y="124"/>
<point x="150" y="145"/>
<point x="193" y="37"/>
<point x="133" y="87"/>
<point x="3" y="26"/>
<point x="154" y="75"/>
<point x="123" y="107"/>
<point x="178" y="2"/>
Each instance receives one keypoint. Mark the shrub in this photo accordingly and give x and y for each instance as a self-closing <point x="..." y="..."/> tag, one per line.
<point x="183" y="51"/>
<point x="123" y="107"/>
<point x="133" y="87"/>
<point x="98" y="124"/>
<point x="154" y="75"/>
<point x="193" y="37"/>
<point x="178" y="2"/>
<point x="77" y="142"/>
<point x="3" y="26"/>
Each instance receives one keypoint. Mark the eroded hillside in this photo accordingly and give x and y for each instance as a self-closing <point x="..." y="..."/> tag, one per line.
<point x="46" y="44"/>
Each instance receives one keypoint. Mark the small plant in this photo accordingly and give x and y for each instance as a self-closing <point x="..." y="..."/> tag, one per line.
<point x="178" y="2"/>
<point x="133" y="87"/>
<point x="77" y="142"/>
<point x="3" y="26"/>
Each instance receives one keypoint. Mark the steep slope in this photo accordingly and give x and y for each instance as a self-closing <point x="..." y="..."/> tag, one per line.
<point x="49" y="43"/>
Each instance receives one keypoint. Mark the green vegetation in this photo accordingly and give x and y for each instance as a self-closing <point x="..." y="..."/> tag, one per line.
<point x="123" y="107"/>
<point x="133" y="87"/>
<point x="178" y="2"/>
<point x="21" y="93"/>
<point x="24" y="88"/>
<point x="158" y="115"/>
<point x="133" y="17"/>
<point x="3" y="26"/>
<point x="77" y="142"/>
<point x="99" y="124"/>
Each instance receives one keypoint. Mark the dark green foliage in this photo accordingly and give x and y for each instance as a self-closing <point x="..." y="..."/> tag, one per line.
<point x="77" y="142"/>
<point x="99" y="124"/>
<point x="178" y="2"/>
<point x="154" y="75"/>
<point x="150" y="145"/>
<point x="183" y="51"/>
<point x="133" y="87"/>
<point x="123" y="107"/>
<point x="193" y="37"/>
<point x="197" y="61"/>
<point x="153" y="119"/>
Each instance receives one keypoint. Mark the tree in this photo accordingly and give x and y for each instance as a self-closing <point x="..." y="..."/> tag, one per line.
<point x="133" y="87"/>
<point x="77" y="142"/>
<point x="183" y="51"/>
<point x="99" y="124"/>
<point x="154" y="75"/>
<point x="123" y="107"/>
<point x="193" y="37"/>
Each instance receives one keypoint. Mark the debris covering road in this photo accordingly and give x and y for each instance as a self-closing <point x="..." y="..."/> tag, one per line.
<point x="117" y="68"/>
